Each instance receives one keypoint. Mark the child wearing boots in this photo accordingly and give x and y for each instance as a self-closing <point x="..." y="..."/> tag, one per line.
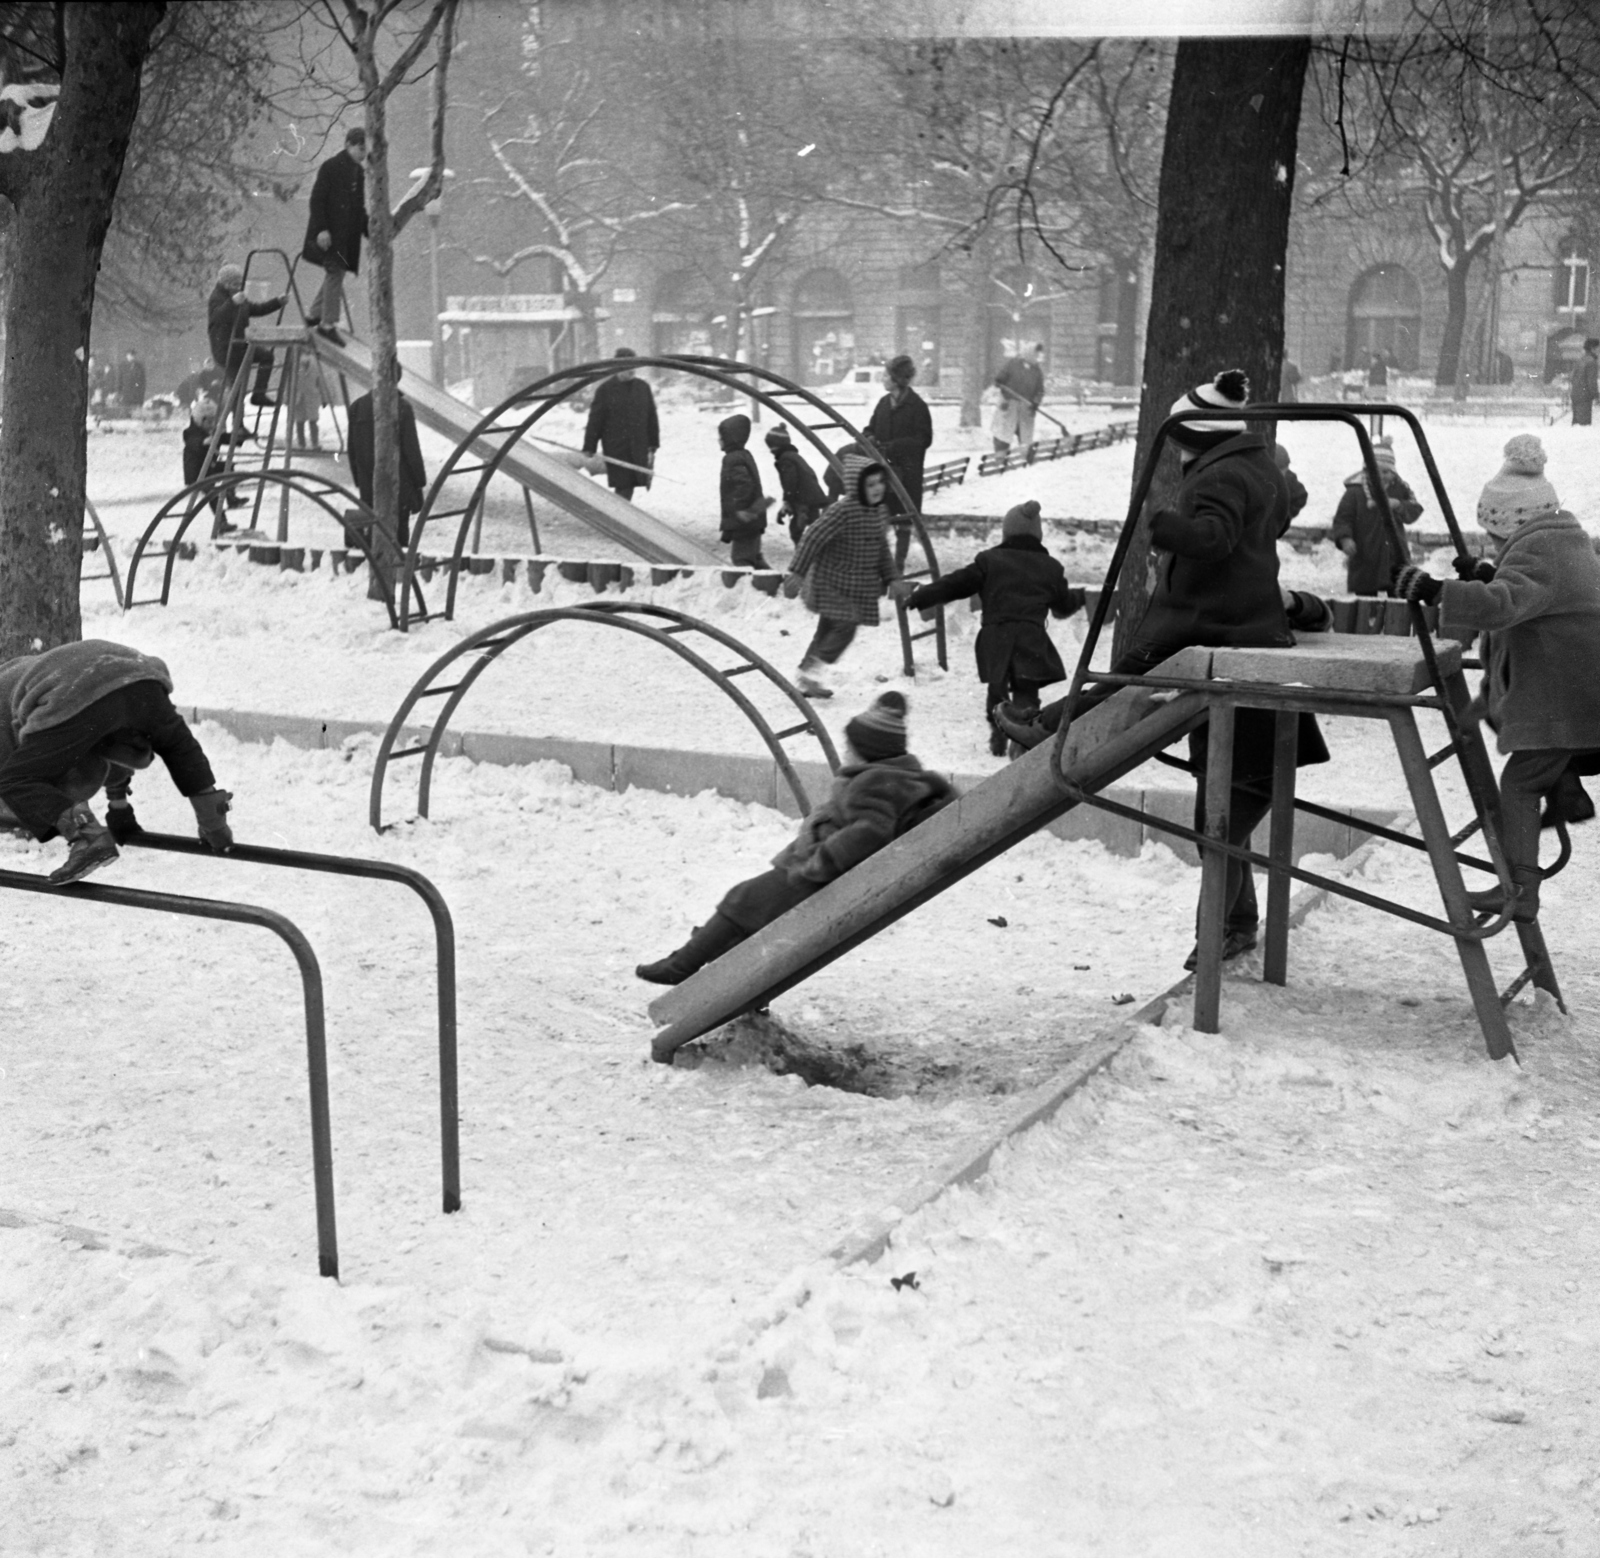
<point x="1538" y="606"/>
<point x="744" y="505"/>
<point x="880" y="790"/>
<point x="802" y="494"/>
<point x="1019" y="584"/>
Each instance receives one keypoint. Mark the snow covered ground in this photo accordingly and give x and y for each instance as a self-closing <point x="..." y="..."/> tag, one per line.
<point x="1317" y="1284"/>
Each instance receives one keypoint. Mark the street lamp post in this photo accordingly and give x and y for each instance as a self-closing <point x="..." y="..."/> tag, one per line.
<point x="432" y="209"/>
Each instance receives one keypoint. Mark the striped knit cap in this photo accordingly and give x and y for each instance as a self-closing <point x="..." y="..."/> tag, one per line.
<point x="880" y="731"/>
<point x="1229" y="391"/>
<point x="1519" y="492"/>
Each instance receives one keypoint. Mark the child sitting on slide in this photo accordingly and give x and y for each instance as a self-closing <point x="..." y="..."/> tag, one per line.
<point x="1538" y="605"/>
<point x="1019" y="583"/>
<point x="879" y="792"/>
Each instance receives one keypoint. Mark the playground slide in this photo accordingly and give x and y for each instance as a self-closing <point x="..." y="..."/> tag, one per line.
<point x="1104" y="744"/>
<point x="588" y="501"/>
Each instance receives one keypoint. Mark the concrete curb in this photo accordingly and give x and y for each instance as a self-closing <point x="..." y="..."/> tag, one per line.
<point x="754" y="779"/>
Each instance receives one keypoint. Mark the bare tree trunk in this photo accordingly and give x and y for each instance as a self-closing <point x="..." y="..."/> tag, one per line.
<point x="62" y="192"/>
<point x="1455" y="321"/>
<point x="975" y="355"/>
<point x="1222" y="234"/>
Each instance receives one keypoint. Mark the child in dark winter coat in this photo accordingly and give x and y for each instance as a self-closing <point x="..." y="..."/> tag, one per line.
<point x="196" y="440"/>
<point x="802" y="495"/>
<point x="880" y="790"/>
<point x="1538" y="605"/>
<point x="744" y="506"/>
<point x="1019" y="584"/>
<point x="1360" y="533"/>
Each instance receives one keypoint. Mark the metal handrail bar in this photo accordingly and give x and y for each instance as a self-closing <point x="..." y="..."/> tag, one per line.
<point x="445" y="943"/>
<point x="311" y="984"/>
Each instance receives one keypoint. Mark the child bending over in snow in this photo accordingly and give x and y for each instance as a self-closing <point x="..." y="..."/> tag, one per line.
<point x="879" y="792"/>
<point x="1538" y="605"/>
<point x="1019" y="583"/>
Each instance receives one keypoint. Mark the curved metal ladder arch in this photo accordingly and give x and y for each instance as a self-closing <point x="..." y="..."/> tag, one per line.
<point x="543" y="395"/>
<point x="113" y="573"/>
<point x="490" y="642"/>
<point x="320" y="489"/>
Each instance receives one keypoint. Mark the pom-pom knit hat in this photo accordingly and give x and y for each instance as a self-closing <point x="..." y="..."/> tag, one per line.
<point x="778" y="437"/>
<point x="1228" y="392"/>
<point x="1520" y="491"/>
<point x="1023" y="520"/>
<point x="880" y="731"/>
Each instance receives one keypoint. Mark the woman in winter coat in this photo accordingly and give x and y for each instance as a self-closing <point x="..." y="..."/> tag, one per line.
<point x="1019" y="584"/>
<point x="902" y="429"/>
<point x="880" y="791"/>
<point x="1359" y="530"/>
<point x="1538" y="605"/>
<point x="1218" y="585"/>
<point x="842" y="567"/>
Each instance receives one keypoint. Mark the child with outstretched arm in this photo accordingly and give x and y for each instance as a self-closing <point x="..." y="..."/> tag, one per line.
<point x="878" y="793"/>
<point x="1019" y="584"/>
<point x="1538" y="606"/>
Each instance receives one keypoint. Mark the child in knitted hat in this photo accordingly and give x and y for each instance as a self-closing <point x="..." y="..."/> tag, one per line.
<point x="1359" y="530"/>
<point x="803" y="499"/>
<point x="1018" y="584"/>
<point x="879" y="792"/>
<point x="1538" y="606"/>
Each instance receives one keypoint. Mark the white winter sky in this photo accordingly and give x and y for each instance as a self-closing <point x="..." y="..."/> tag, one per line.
<point x="1151" y="18"/>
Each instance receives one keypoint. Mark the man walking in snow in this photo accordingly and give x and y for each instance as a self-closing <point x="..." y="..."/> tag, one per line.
<point x="623" y="427"/>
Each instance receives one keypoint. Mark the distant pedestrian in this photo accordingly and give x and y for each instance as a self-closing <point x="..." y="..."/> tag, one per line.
<point x="1289" y="383"/>
<point x="335" y="228"/>
<point x="413" y="473"/>
<point x="1378" y="375"/>
<point x="902" y="429"/>
<point x="842" y="567"/>
<point x="624" y="428"/>
<point x="305" y="413"/>
<point x="1372" y="554"/>
<point x="803" y="498"/>
<point x="1586" y="384"/>
<point x="130" y="381"/>
<point x="1021" y="385"/>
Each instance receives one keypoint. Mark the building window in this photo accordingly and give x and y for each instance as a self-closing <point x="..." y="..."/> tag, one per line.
<point x="824" y="320"/>
<point x="681" y="320"/>
<point x="1385" y="316"/>
<point x="1572" y="279"/>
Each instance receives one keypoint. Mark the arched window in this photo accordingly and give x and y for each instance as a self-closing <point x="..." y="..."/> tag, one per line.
<point x="1386" y="317"/>
<point x="681" y="320"/>
<point x="824" y="318"/>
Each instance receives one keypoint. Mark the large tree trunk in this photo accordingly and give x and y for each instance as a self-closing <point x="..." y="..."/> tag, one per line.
<point x="975" y="347"/>
<point x="1222" y="232"/>
<point x="62" y="194"/>
<point x="1455" y="321"/>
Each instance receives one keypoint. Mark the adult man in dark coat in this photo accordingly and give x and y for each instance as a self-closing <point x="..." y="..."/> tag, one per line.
<point x="1586" y="384"/>
<point x="902" y="429"/>
<point x="622" y="425"/>
<point x="392" y="532"/>
<point x="86" y="714"/>
<point x="1218" y="586"/>
<point x="1021" y="385"/>
<point x="335" y="228"/>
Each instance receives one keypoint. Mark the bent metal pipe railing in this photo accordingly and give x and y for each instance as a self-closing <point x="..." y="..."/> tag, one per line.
<point x="445" y="942"/>
<point x="311" y="984"/>
<point x="490" y="642"/>
<point x="1484" y="805"/>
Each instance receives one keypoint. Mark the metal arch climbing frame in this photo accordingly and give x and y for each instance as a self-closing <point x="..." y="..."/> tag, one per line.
<point x="311" y="986"/>
<point x="321" y="490"/>
<point x="489" y="643"/>
<point x="500" y="429"/>
<point x="113" y="573"/>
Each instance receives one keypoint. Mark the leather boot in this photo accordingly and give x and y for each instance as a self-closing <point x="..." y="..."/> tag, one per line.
<point x="706" y="944"/>
<point x="1569" y="801"/>
<point x="1525" y="882"/>
<point x="90" y="845"/>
